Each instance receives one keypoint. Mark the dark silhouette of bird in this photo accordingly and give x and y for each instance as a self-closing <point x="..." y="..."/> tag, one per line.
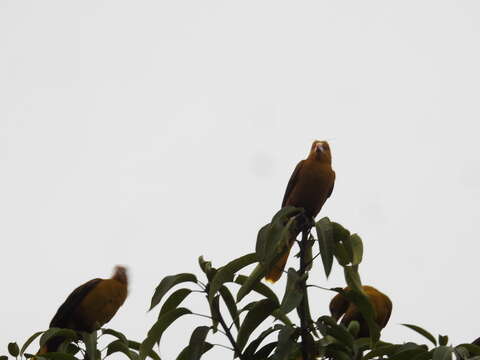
<point x="310" y="185"/>
<point x="90" y="306"/>
<point x="341" y="306"/>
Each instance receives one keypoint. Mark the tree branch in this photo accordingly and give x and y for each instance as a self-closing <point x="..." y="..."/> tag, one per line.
<point x="302" y="309"/>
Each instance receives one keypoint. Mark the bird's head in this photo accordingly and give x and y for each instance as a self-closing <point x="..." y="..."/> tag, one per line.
<point x="120" y="274"/>
<point x="320" y="150"/>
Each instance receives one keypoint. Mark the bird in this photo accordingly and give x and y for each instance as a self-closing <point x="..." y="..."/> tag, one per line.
<point x="89" y="306"/>
<point x="310" y="185"/>
<point x="341" y="306"/>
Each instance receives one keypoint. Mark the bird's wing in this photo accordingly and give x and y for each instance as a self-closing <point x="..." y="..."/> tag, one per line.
<point x="333" y="185"/>
<point x="65" y="311"/>
<point x="291" y="183"/>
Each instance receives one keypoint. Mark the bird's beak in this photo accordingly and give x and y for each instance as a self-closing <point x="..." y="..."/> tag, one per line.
<point x="319" y="147"/>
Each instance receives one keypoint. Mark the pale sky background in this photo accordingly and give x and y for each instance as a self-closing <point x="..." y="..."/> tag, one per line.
<point x="148" y="133"/>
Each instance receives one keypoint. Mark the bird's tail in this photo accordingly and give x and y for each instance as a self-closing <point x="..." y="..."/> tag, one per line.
<point x="277" y="269"/>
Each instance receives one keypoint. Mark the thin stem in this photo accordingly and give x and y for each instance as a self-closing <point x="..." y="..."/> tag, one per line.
<point x="311" y="260"/>
<point x="230" y="337"/>
<point x="302" y="309"/>
<point x="205" y="316"/>
<point x="226" y="347"/>
<point x="319" y="287"/>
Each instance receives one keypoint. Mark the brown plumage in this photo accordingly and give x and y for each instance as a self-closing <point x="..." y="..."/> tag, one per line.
<point x="309" y="187"/>
<point x="90" y="306"/>
<point x="340" y="305"/>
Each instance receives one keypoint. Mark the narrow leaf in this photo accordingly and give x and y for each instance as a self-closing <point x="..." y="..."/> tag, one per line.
<point x="442" y="353"/>
<point x="326" y="243"/>
<point x="258" y="287"/>
<point x="136" y="346"/>
<point x="231" y="305"/>
<point x="357" y="248"/>
<point x="156" y="332"/>
<point x="252" y="281"/>
<point x="260" y="311"/>
<point x="167" y="283"/>
<point x="29" y="341"/>
<point x="120" y="346"/>
<point x="53" y="332"/>
<point x="186" y="352"/>
<point x="226" y="273"/>
<point x="252" y="347"/>
<point x="293" y="292"/>
<point x="422" y="332"/>
<point x="116" y="334"/>
<point x="197" y="342"/>
<point x="174" y="300"/>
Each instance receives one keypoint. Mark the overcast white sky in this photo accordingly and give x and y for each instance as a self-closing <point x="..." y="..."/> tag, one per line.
<point x="148" y="133"/>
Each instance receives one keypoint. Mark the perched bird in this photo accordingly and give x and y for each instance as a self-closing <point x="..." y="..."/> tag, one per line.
<point x="340" y="305"/>
<point x="309" y="187"/>
<point x="90" y="306"/>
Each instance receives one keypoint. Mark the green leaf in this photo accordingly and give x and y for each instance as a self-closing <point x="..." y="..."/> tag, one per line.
<point x="442" y="340"/>
<point x="340" y="234"/>
<point x="68" y="334"/>
<point x="442" y="353"/>
<point x="258" y="287"/>
<point x="156" y="332"/>
<point x="252" y="281"/>
<point x="135" y="345"/>
<point x="276" y="238"/>
<point x="462" y="352"/>
<point x="174" y="300"/>
<point x="58" y="356"/>
<point x="231" y="305"/>
<point x="341" y="254"/>
<point x="197" y="342"/>
<point x="352" y="278"/>
<point x="116" y="334"/>
<point x="4" y="357"/>
<point x="309" y="253"/>
<point x="286" y="342"/>
<point x="120" y="346"/>
<point x="357" y="248"/>
<point x="207" y="268"/>
<point x="422" y="332"/>
<point x="262" y="242"/>
<point x="167" y="283"/>
<point x="252" y="347"/>
<point x="382" y="350"/>
<point x="29" y="341"/>
<point x="186" y="352"/>
<point x="265" y="351"/>
<point x="339" y="332"/>
<point x="13" y="349"/>
<point x="260" y="311"/>
<point x="293" y="292"/>
<point x="472" y="349"/>
<point x="215" y="312"/>
<point x="326" y="243"/>
<point x="408" y="354"/>
<point x="227" y="272"/>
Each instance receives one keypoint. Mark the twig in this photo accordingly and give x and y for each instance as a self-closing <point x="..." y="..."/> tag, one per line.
<point x="230" y="337"/>
<point x="302" y="307"/>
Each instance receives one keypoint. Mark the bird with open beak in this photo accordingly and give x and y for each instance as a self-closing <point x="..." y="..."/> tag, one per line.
<point x="310" y="185"/>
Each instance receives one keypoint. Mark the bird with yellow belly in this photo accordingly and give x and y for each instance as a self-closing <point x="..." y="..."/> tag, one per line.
<point x="90" y="306"/>
<point x="341" y="307"/>
<point x="310" y="185"/>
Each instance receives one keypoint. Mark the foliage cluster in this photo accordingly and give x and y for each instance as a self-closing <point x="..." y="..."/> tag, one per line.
<point x="225" y="291"/>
